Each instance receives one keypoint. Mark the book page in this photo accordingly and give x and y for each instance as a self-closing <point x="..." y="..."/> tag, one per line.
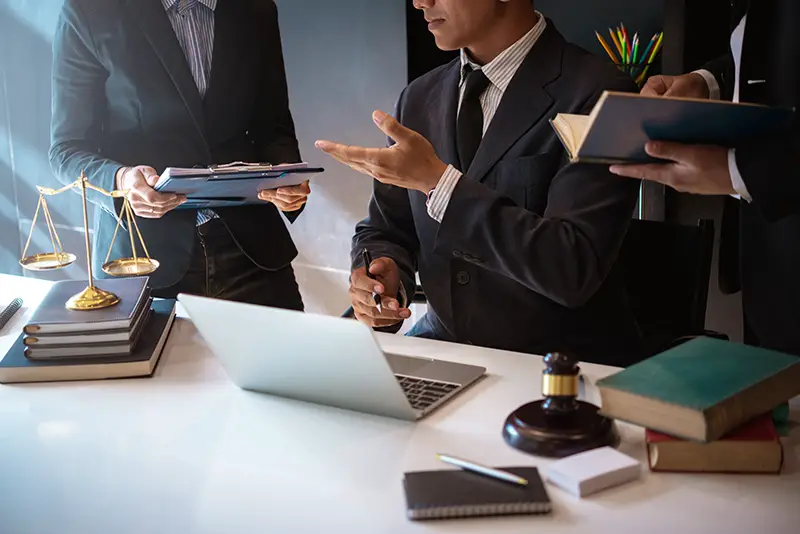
<point x="572" y="129"/>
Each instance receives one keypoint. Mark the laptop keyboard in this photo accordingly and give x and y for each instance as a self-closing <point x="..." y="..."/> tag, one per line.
<point x="424" y="393"/>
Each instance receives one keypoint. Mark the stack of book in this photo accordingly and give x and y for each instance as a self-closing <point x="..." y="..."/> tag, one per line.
<point x="706" y="406"/>
<point x="124" y="340"/>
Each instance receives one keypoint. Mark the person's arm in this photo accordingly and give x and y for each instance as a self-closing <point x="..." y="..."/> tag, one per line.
<point x="720" y="75"/>
<point x="766" y="172"/>
<point x="78" y="100"/>
<point x="272" y="128"/>
<point x="389" y="231"/>
<point x="564" y="255"/>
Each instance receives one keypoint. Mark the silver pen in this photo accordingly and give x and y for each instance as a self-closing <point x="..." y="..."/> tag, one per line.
<point x="499" y="474"/>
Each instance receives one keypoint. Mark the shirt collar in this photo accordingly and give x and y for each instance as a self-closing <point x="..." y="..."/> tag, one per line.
<point x="210" y="4"/>
<point x="501" y="70"/>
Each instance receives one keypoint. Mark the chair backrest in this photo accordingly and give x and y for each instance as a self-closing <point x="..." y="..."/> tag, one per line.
<point x="666" y="269"/>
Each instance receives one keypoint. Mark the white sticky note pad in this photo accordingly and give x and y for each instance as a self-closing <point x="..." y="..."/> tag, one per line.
<point x="592" y="471"/>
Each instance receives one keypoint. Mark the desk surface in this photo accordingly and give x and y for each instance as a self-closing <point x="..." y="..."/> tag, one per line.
<point x="187" y="452"/>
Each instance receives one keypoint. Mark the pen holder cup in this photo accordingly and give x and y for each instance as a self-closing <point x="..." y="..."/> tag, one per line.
<point x="638" y="71"/>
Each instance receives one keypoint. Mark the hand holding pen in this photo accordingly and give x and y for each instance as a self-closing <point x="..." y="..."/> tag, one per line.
<point x="375" y="292"/>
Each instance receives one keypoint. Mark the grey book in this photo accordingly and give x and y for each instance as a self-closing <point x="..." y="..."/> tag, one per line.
<point x="16" y="368"/>
<point x="90" y="348"/>
<point x="52" y="316"/>
<point x="91" y="338"/>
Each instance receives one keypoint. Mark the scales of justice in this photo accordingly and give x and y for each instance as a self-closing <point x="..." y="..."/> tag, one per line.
<point x="91" y="298"/>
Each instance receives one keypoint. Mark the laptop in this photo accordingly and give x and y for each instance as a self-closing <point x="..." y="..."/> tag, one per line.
<point x="324" y="360"/>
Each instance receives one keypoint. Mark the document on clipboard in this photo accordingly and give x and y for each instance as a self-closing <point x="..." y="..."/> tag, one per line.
<point x="231" y="184"/>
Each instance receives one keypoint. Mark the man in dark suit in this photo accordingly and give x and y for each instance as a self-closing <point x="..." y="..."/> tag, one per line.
<point x="141" y="85"/>
<point x="760" y="249"/>
<point x="515" y="247"/>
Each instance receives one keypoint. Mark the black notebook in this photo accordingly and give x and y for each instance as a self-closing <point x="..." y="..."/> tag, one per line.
<point x="52" y="317"/>
<point x="447" y="494"/>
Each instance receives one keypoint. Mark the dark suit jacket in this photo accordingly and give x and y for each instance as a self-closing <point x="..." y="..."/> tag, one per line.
<point x="524" y="257"/>
<point x="123" y="95"/>
<point x="760" y="249"/>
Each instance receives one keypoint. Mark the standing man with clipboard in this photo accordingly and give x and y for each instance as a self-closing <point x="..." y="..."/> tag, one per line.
<point x="142" y="85"/>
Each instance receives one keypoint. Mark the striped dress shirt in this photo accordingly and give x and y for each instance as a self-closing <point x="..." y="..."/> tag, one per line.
<point x="193" y="23"/>
<point x="500" y="71"/>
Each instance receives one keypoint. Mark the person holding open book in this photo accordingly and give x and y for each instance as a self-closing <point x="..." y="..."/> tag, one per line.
<point x="762" y="215"/>
<point x="515" y="247"/>
<point x="139" y="86"/>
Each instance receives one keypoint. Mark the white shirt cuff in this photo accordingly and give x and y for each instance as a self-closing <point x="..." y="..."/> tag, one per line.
<point x="736" y="177"/>
<point x="440" y="198"/>
<point x="714" y="92"/>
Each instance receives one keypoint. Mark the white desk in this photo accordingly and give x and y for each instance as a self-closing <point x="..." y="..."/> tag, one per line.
<point x="187" y="452"/>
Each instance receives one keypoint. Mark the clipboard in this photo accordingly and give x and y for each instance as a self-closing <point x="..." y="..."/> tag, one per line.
<point x="232" y="184"/>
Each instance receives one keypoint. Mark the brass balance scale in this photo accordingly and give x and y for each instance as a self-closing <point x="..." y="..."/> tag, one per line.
<point x="91" y="298"/>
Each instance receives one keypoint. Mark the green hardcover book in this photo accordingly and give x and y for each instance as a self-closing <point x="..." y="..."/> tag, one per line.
<point x="702" y="389"/>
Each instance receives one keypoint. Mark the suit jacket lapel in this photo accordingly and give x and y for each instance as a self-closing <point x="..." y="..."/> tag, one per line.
<point x="158" y="31"/>
<point x="446" y="109"/>
<point x="524" y="102"/>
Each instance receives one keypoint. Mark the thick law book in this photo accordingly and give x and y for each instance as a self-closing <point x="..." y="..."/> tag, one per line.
<point x="450" y="494"/>
<point x="89" y="347"/>
<point x="16" y="368"/>
<point x="97" y="337"/>
<point x="621" y="124"/>
<point x="752" y="448"/>
<point x="52" y="316"/>
<point x="701" y="389"/>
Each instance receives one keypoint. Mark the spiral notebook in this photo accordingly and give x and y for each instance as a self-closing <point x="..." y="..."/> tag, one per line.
<point x="449" y="494"/>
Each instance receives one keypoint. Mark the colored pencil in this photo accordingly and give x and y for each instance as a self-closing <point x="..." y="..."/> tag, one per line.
<point x="649" y="60"/>
<point x="624" y="35"/>
<point x="615" y="40"/>
<point x="657" y="47"/>
<point x="634" y="58"/>
<point x="606" y="47"/>
<point x="646" y="55"/>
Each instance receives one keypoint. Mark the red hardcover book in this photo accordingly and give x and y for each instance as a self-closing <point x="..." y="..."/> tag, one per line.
<point x="753" y="448"/>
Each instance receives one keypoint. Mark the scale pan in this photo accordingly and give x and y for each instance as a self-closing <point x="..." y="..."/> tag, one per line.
<point x="49" y="261"/>
<point x="130" y="267"/>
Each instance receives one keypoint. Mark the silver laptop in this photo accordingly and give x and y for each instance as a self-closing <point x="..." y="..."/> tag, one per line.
<point x="322" y="359"/>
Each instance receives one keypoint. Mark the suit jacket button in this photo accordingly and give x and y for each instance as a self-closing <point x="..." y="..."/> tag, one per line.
<point x="457" y="254"/>
<point x="462" y="278"/>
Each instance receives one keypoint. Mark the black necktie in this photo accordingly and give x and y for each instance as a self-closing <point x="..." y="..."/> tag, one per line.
<point x="470" y="117"/>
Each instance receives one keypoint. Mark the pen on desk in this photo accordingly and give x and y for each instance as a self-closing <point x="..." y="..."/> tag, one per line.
<point x="367" y="263"/>
<point x="9" y="312"/>
<point x="505" y="476"/>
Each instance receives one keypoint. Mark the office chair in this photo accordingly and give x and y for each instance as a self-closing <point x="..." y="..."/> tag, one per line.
<point x="666" y="269"/>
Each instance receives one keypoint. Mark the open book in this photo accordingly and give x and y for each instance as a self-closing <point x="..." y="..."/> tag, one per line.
<point x="621" y="124"/>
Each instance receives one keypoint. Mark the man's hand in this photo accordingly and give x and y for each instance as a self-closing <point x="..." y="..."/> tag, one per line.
<point x="411" y="163"/>
<point x="387" y="285"/>
<point x="287" y="198"/>
<point x="686" y="86"/>
<point x="146" y="201"/>
<point x="702" y="170"/>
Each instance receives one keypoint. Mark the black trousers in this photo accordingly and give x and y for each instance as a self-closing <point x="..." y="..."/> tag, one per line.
<point x="220" y="269"/>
